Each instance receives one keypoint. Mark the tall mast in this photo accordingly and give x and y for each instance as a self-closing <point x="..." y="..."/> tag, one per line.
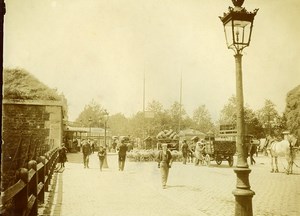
<point x="180" y="102"/>
<point x="144" y="92"/>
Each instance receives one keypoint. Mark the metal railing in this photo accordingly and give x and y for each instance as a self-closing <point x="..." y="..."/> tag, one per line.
<point x="23" y="197"/>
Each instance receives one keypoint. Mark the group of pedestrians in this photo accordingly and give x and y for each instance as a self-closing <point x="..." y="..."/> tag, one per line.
<point x="196" y="149"/>
<point x="164" y="157"/>
<point x="87" y="150"/>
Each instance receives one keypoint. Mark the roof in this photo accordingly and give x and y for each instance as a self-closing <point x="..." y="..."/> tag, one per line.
<point x="85" y="129"/>
<point x="191" y="132"/>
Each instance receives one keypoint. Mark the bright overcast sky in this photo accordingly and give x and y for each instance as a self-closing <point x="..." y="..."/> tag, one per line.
<point x="100" y="49"/>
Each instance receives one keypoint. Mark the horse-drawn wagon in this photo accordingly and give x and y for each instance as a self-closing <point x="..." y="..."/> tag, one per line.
<point x="219" y="151"/>
<point x="170" y="137"/>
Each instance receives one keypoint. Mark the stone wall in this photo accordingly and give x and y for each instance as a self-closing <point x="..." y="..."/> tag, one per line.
<point x="29" y="129"/>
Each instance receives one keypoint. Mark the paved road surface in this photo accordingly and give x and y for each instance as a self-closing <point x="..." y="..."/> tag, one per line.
<point x="191" y="190"/>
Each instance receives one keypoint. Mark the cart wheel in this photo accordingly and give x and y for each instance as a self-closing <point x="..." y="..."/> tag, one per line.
<point x="230" y="161"/>
<point x="207" y="159"/>
<point x="219" y="161"/>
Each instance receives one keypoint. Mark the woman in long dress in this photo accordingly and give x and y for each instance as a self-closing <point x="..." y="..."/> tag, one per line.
<point x="62" y="155"/>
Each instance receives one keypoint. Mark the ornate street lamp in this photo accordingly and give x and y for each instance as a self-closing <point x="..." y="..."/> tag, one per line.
<point x="238" y="23"/>
<point x="90" y="123"/>
<point x="105" y="116"/>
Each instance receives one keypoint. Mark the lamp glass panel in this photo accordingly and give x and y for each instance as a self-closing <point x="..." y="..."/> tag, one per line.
<point x="241" y="34"/>
<point x="228" y="34"/>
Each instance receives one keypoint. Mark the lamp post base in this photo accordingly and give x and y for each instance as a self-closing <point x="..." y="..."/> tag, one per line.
<point x="243" y="194"/>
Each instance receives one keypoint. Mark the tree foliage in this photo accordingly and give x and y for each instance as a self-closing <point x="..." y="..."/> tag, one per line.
<point x="92" y="115"/>
<point x="136" y="125"/>
<point x="119" y="124"/>
<point x="292" y="111"/>
<point x="202" y="120"/>
<point x="175" y="113"/>
<point x="228" y="115"/>
<point x="155" y="106"/>
<point x="154" y="123"/>
<point x="270" y="119"/>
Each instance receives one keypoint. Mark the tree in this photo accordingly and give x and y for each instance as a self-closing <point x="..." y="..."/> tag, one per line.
<point x="154" y="124"/>
<point x="252" y="124"/>
<point x="228" y="113"/>
<point x="91" y="116"/>
<point x="269" y="118"/>
<point x="175" y="113"/>
<point x="202" y="120"/>
<point x="155" y="106"/>
<point x="136" y="125"/>
<point x="118" y="124"/>
<point x="292" y="111"/>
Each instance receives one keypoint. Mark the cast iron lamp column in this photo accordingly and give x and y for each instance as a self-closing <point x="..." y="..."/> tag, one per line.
<point x="90" y="122"/>
<point x="238" y="24"/>
<point x="105" y="115"/>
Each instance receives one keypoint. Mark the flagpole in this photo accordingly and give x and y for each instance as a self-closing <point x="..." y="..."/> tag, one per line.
<point x="144" y="92"/>
<point x="180" y="102"/>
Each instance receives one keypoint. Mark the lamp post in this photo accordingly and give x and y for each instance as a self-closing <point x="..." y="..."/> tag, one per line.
<point x="105" y="115"/>
<point x="90" y="122"/>
<point x="238" y="23"/>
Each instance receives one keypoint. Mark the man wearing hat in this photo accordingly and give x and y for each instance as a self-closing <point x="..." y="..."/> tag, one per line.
<point x="122" y="153"/>
<point x="101" y="156"/>
<point x="164" y="160"/>
<point x="86" y="151"/>
<point x="185" y="151"/>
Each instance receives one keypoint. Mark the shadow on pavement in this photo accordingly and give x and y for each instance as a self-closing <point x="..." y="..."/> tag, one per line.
<point x="176" y="186"/>
<point x="220" y="166"/>
<point x="74" y="157"/>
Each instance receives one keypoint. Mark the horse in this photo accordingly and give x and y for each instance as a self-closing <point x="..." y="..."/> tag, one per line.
<point x="286" y="148"/>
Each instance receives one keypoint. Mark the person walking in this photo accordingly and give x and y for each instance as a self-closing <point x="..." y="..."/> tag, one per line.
<point x="101" y="156"/>
<point x="62" y="155"/>
<point x="185" y="151"/>
<point x="86" y="151"/>
<point x="164" y="160"/>
<point x="199" y="149"/>
<point x="93" y="147"/>
<point x="122" y="149"/>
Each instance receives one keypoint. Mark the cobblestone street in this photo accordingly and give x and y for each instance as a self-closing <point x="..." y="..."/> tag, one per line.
<point x="191" y="190"/>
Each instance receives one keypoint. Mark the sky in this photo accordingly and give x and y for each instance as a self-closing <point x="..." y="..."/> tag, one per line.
<point x="102" y="49"/>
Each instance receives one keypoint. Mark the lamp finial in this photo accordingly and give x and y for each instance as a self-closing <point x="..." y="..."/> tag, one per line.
<point x="238" y="3"/>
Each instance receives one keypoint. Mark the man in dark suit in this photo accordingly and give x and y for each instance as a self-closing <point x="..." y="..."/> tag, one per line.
<point x="122" y="153"/>
<point x="164" y="159"/>
<point x="86" y="150"/>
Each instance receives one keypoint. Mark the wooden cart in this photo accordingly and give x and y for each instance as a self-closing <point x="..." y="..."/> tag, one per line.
<point x="219" y="151"/>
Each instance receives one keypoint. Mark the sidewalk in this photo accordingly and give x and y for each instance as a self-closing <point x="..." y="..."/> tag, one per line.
<point x="191" y="190"/>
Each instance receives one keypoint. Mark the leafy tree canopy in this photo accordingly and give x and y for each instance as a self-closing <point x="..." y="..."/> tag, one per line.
<point x="92" y="115"/>
<point x="292" y="111"/>
<point x="202" y="120"/>
<point x="252" y="123"/>
<point x="270" y="119"/>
